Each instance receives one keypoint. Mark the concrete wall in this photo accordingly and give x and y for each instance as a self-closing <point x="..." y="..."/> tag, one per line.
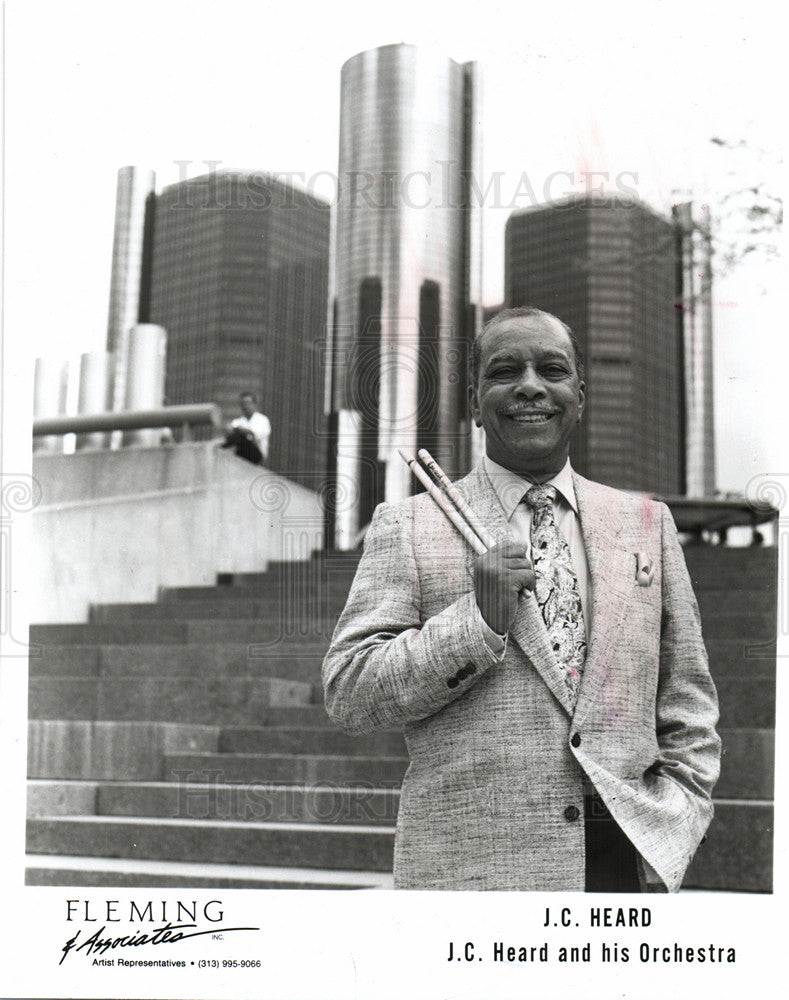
<point x="118" y="525"/>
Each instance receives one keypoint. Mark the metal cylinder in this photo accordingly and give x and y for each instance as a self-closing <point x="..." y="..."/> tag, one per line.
<point x="95" y="394"/>
<point x="347" y="478"/>
<point x="50" y="388"/>
<point x="129" y="282"/>
<point x="698" y="341"/>
<point x="407" y="260"/>
<point x="145" y="378"/>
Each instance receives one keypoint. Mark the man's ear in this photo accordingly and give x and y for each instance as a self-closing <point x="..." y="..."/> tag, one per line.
<point x="581" y="400"/>
<point x="473" y="403"/>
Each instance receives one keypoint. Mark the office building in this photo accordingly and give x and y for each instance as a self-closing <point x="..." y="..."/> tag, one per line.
<point x="407" y="270"/>
<point x="239" y="281"/>
<point x="609" y="267"/>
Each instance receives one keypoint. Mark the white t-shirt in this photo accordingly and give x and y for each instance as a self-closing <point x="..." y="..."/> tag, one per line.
<point x="260" y="426"/>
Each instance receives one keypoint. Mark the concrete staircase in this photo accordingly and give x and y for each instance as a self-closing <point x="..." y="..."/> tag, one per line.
<point x="185" y="743"/>
<point x="737" y="594"/>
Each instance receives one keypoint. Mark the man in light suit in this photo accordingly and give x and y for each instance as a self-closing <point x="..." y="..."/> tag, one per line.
<point x="554" y="692"/>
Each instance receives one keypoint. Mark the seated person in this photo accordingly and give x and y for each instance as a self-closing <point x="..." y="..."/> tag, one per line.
<point x="249" y="434"/>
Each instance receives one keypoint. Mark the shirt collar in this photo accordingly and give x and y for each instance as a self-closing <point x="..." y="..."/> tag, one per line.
<point x="510" y="487"/>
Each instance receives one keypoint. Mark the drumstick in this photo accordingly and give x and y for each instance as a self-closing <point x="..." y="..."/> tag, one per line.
<point x="457" y="498"/>
<point x="443" y="503"/>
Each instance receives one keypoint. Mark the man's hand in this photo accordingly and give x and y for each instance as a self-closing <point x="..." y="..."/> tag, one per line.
<point x="499" y="577"/>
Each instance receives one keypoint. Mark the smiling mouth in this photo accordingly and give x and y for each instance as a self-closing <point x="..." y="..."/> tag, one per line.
<point x="530" y="418"/>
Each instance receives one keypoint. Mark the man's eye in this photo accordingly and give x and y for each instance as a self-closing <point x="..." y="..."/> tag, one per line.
<point x="555" y="371"/>
<point x="506" y="372"/>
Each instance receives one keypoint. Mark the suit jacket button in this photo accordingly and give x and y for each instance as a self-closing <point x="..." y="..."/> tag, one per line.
<point x="571" y="813"/>
<point x="576" y="740"/>
<point x="470" y="668"/>
<point x="452" y="682"/>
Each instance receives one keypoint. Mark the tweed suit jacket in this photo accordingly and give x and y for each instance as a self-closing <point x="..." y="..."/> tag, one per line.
<point x="498" y="755"/>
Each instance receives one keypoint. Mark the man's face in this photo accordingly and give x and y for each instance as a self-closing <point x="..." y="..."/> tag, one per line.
<point x="247" y="406"/>
<point x="528" y="395"/>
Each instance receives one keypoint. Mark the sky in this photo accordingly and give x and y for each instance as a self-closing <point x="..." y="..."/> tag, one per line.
<point x="635" y="92"/>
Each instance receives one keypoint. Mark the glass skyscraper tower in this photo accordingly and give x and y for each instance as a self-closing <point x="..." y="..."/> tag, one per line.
<point x="407" y="273"/>
<point x="610" y="268"/>
<point x="239" y="280"/>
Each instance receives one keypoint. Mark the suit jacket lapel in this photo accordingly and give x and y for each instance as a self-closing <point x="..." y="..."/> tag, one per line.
<point x="601" y="527"/>
<point x="528" y="628"/>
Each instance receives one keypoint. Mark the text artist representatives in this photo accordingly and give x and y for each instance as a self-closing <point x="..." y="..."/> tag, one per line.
<point x="555" y="695"/>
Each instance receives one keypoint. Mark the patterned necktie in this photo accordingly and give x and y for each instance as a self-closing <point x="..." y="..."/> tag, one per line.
<point x="556" y="587"/>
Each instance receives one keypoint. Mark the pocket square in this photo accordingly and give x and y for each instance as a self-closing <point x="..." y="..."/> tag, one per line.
<point x="645" y="571"/>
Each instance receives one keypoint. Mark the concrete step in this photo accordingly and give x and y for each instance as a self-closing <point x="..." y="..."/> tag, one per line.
<point x="58" y="797"/>
<point x="109" y="634"/>
<point x="306" y="845"/>
<point x="312" y="608"/>
<point x="314" y="632"/>
<point x="55" y="869"/>
<point x="231" y="630"/>
<point x="747" y="765"/>
<point x="744" y="578"/>
<point x="746" y="703"/>
<point x="337" y="566"/>
<point x="251" y="802"/>
<point x="748" y="588"/>
<point x="741" y="658"/>
<point x="737" y="854"/>
<point x="248" y="802"/>
<point x="742" y="557"/>
<point x="110" y="750"/>
<point x="334" y="589"/>
<point x="311" y="716"/>
<point x="314" y="635"/>
<point x="69" y="661"/>
<point x="221" y="701"/>
<point x="295" y="769"/>
<point x="211" y="660"/>
<point x="735" y="602"/>
<point x="302" y="740"/>
<point x="759" y="625"/>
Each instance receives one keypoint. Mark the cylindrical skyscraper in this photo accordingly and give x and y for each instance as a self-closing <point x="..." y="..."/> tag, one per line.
<point x="145" y="382"/>
<point x="95" y="393"/>
<point x="697" y="325"/>
<point x="407" y="271"/>
<point x="130" y="281"/>
<point x="50" y="390"/>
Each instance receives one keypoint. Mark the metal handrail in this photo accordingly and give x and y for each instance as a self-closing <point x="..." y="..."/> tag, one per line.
<point x="190" y="414"/>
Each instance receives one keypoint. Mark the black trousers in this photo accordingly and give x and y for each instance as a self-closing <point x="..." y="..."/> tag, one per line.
<point x="611" y="860"/>
<point x="244" y="447"/>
